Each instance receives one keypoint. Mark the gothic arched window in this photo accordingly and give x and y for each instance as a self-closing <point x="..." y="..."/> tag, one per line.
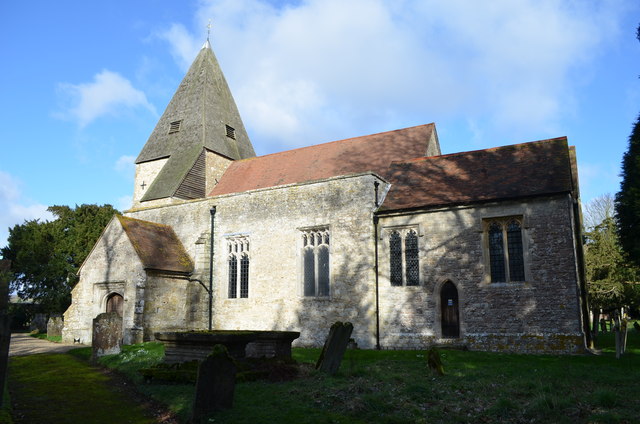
<point x="404" y="262"/>
<point x="411" y="258"/>
<point x="244" y="276"/>
<point x="316" y="273"/>
<point x="233" y="276"/>
<point x="395" y="253"/>
<point x="506" y="252"/>
<point x="238" y="266"/>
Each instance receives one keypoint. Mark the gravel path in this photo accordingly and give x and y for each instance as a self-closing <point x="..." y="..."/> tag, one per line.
<point x="23" y="344"/>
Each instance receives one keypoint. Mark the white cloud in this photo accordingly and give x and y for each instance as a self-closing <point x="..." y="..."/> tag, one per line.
<point x="322" y="68"/>
<point x="126" y="165"/>
<point x="184" y="47"/>
<point x="16" y="209"/>
<point x="108" y="94"/>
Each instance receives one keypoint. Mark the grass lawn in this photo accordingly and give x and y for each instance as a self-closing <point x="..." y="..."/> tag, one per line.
<point x="44" y="336"/>
<point x="397" y="387"/>
<point x="60" y="388"/>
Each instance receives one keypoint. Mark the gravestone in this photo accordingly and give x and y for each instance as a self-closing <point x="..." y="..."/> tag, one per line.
<point x="54" y="326"/>
<point x="334" y="347"/>
<point x="107" y="335"/>
<point x="38" y="323"/>
<point x="215" y="384"/>
<point x="636" y="326"/>
<point x="434" y="362"/>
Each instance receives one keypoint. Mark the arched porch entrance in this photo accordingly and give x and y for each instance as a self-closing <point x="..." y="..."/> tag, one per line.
<point x="115" y="303"/>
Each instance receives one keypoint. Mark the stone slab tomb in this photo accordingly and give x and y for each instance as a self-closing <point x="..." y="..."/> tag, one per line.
<point x="189" y="346"/>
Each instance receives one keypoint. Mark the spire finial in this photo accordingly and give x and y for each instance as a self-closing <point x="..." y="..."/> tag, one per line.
<point x="208" y="29"/>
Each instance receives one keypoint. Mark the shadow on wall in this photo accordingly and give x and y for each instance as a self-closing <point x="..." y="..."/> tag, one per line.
<point x="510" y="173"/>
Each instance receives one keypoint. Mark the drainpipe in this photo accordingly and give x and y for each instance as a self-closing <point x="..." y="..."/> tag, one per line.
<point x="375" y="230"/>
<point x="213" y="216"/>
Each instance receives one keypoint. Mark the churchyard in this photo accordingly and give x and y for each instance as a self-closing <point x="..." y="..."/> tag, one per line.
<point x="393" y="387"/>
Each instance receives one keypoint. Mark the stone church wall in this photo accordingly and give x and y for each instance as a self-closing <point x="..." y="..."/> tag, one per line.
<point x="111" y="267"/>
<point x="167" y="305"/>
<point x="273" y="221"/>
<point x="540" y="314"/>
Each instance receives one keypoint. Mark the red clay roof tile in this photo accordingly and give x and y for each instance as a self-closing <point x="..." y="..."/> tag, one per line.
<point x="361" y="154"/>
<point x="520" y="170"/>
<point x="157" y="245"/>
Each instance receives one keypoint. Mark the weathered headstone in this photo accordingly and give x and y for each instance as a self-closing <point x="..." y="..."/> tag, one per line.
<point x="636" y="326"/>
<point x="334" y="347"/>
<point x="38" y="323"/>
<point x="215" y="384"/>
<point x="434" y="362"/>
<point x="54" y="326"/>
<point x="107" y="335"/>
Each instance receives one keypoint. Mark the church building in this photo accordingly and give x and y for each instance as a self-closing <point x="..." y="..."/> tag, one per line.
<point x="415" y="248"/>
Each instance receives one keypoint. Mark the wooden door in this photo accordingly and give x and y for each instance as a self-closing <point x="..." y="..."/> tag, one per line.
<point x="115" y="303"/>
<point x="449" y="310"/>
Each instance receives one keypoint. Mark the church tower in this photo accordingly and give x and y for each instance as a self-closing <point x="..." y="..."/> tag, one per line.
<point x="199" y="134"/>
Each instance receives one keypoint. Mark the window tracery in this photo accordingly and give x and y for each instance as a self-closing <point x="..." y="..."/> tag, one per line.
<point x="315" y="262"/>
<point x="238" y="266"/>
<point x="404" y="262"/>
<point x="506" y="251"/>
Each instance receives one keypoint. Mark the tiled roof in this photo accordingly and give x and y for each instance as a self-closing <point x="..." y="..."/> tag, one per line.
<point x="157" y="245"/>
<point x="201" y="109"/>
<point x="361" y="154"/>
<point x="521" y="170"/>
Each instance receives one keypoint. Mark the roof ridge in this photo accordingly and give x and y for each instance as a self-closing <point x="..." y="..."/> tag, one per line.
<point x="422" y="158"/>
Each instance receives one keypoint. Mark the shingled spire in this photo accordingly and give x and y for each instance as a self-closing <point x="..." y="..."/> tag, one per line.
<point x="201" y="117"/>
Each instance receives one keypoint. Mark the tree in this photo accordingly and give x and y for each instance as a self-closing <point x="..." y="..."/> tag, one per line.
<point x="45" y="256"/>
<point x="610" y="277"/>
<point x="597" y="210"/>
<point x="628" y="198"/>
<point x="607" y="271"/>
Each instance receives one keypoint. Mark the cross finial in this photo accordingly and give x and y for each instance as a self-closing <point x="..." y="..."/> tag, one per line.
<point x="208" y="29"/>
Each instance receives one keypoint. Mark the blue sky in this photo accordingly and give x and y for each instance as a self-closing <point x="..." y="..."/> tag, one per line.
<point x="83" y="83"/>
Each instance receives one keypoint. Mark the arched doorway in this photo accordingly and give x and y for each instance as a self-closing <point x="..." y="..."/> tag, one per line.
<point x="450" y="318"/>
<point x="115" y="303"/>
